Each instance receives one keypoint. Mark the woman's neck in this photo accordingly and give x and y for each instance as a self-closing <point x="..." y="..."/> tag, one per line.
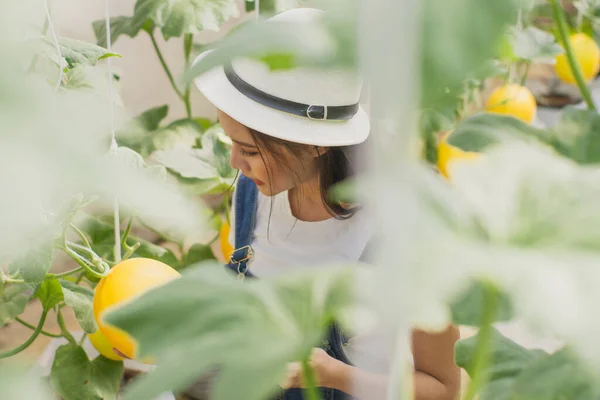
<point x="306" y="202"/>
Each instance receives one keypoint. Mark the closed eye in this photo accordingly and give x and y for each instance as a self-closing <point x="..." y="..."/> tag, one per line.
<point x="248" y="153"/>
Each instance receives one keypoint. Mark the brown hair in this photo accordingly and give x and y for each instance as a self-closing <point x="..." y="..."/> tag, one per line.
<point x="334" y="166"/>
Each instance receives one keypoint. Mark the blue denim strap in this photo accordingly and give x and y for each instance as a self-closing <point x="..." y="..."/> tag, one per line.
<point x="245" y="214"/>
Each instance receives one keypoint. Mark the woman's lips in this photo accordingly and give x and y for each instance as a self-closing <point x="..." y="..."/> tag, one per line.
<point x="258" y="182"/>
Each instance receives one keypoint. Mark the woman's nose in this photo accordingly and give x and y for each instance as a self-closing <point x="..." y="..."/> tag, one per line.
<point x="235" y="160"/>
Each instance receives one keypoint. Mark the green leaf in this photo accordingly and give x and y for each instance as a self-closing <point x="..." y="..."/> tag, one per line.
<point x="554" y="377"/>
<point x="535" y="45"/>
<point x="204" y="123"/>
<point x="432" y="122"/>
<point x="150" y="119"/>
<point x="250" y="5"/>
<point x="499" y="389"/>
<point x="263" y="325"/>
<point x="445" y="59"/>
<point x="309" y="43"/>
<point x="22" y="382"/>
<point x="137" y="133"/>
<point x="508" y="358"/>
<point x="183" y="132"/>
<point x="127" y="158"/>
<point x="179" y="17"/>
<point x="483" y="130"/>
<point x="577" y="135"/>
<point x="75" y="377"/>
<point x="468" y="308"/>
<point x="209" y="162"/>
<point x="122" y="25"/>
<point x="77" y="52"/>
<point x="34" y="264"/>
<point x="50" y="293"/>
<point x="150" y="250"/>
<point x="80" y="299"/>
<point x="13" y="302"/>
<point x="102" y="239"/>
<point x="541" y="201"/>
<point x="82" y="77"/>
<point x="197" y="253"/>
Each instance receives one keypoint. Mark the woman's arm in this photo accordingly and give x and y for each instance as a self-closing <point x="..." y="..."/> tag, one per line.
<point x="436" y="376"/>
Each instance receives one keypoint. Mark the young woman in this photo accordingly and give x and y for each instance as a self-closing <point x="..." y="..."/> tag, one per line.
<point x="293" y="132"/>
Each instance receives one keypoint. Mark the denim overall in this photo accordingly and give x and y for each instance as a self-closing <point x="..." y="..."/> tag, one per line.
<point x="245" y="213"/>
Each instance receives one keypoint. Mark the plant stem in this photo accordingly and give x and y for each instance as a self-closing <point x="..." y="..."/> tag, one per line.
<point x="82" y="338"/>
<point x="188" y="40"/>
<point x="11" y="280"/>
<point x="312" y="393"/>
<point x="33" y="336"/>
<point x="127" y="232"/>
<point x="84" y="262"/>
<point x="164" y="65"/>
<point x="43" y="332"/>
<point x="66" y="273"/>
<point x="227" y="209"/>
<point x="559" y="16"/>
<point x="213" y="240"/>
<point x="81" y="235"/>
<point x="63" y="327"/>
<point x="44" y="31"/>
<point x="525" y="74"/>
<point x="482" y="351"/>
<point x="130" y="251"/>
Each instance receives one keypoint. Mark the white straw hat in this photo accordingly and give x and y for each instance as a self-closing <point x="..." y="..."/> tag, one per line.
<point x="317" y="106"/>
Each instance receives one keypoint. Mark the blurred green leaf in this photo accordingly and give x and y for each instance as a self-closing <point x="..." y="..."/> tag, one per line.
<point x="197" y="253"/>
<point x="13" y="302"/>
<point x="77" y="52"/>
<point x="183" y="132"/>
<point x="137" y="133"/>
<point x="80" y="299"/>
<point x="576" y="135"/>
<point x="85" y="77"/>
<point x="561" y="375"/>
<point x="185" y="16"/>
<point x="209" y="162"/>
<point x="446" y="58"/>
<point x="50" y="293"/>
<point x="519" y="373"/>
<point x="34" y="264"/>
<point x="264" y="325"/>
<point x="508" y="359"/>
<point x="204" y="123"/>
<point x="483" y="130"/>
<point x="308" y="42"/>
<point x="432" y="122"/>
<point x="540" y="200"/>
<point x="75" y="377"/>
<point x="150" y="250"/>
<point x="468" y="308"/>
<point x="122" y="25"/>
<point x="535" y="45"/>
<point x="102" y="239"/>
<point x="22" y="382"/>
<point x="130" y="159"/>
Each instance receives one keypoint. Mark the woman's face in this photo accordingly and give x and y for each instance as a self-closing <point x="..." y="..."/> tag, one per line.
<point x="271" y="174"/>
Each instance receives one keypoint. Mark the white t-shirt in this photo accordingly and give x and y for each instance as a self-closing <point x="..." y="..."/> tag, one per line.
<point x="282" y="242"/>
